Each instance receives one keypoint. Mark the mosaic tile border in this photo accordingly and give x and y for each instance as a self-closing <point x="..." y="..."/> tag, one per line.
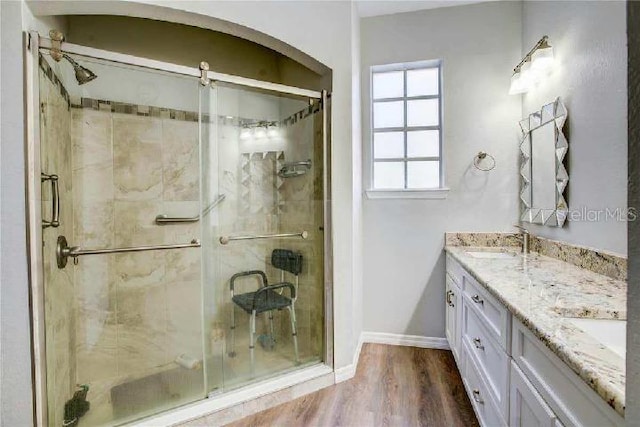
<point x="601" y="262"/>
<point x="137" y="110"/>
<point x="314" y="108"/>
<point x="183" y="115"/>
<point x="48" y="71"/>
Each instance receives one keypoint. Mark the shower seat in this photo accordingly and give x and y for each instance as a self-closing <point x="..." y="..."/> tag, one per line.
<point x="268" y="298"/>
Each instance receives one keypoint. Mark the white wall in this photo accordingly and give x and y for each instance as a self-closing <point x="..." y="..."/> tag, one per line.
<point x="590" y="75"/>
<point x="357" y="214"/>
<point x="15" y="374"/>
<point x="403" y="239"/>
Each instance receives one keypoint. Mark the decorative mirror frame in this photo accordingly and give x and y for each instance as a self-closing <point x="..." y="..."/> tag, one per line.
<point x="554" y="112"/>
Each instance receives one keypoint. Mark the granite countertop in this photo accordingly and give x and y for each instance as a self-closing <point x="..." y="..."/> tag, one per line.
<point x="542" y="293"/>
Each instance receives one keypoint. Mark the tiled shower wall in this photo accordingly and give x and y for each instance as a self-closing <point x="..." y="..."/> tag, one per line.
<point x="59" y="290"/>
<point x="258" y="201"/>
<point x="301" y="209"/>
<point x="137" y="311"/>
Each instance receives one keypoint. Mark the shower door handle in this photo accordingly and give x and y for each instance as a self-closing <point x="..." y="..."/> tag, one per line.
<point x="55" y="200"/>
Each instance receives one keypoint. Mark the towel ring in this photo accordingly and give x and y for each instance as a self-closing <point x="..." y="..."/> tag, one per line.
<point x="481" y="156"/>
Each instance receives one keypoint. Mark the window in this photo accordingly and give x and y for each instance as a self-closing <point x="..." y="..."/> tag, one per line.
<point x="406" y="127"/>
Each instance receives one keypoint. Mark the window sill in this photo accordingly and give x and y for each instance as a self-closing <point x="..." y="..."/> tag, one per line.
<point x="434" y="193"/>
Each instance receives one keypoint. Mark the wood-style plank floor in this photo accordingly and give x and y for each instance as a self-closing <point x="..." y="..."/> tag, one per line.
<point x="393" y="386"/>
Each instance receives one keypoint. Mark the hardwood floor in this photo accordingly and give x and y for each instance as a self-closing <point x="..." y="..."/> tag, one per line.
<point x="393" y="386"/>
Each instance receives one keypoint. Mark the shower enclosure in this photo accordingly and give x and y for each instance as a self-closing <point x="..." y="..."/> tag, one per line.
<point x="178" y="231"/>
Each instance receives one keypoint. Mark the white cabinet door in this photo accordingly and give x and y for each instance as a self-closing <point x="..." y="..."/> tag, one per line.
<point x="452" y="325"/>
<point x="528" y="409"/>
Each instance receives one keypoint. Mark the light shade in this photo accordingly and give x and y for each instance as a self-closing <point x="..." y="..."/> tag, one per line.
<point x="542" y="58"/>
<point x="517" y="85"/>
<point x="272" y="131"/>
<point x="260" y="132"/>
<point x="245" y="133"/>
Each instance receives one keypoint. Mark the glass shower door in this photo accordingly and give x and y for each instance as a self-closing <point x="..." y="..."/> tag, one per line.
<point x="266" y="169"/>
<point x="123" y="331"/>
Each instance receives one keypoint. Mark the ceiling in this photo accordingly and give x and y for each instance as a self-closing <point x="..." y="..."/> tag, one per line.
<point x="388" y="7"/>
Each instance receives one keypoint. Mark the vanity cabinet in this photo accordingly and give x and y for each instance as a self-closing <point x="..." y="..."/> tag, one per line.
<point x="510" y="376"/>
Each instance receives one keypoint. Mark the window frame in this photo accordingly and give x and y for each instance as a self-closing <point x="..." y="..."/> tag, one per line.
<point x="434" y="192"/>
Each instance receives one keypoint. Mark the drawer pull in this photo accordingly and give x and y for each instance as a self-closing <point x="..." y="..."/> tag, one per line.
<point x="478" y="343"/>
<point x="448" y="298"/>
<point x="477" y="300"/>
<point x="476" y="396"/>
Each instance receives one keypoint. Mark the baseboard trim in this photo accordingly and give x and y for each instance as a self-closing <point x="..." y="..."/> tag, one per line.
<point x="347" y="372"/>
<point x="436" y="343"/>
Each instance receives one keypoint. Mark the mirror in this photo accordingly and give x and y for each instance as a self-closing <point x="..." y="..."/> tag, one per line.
<point x="543" y="175"/>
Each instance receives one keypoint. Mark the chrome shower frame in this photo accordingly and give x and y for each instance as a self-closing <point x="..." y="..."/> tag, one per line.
<point x="34" y="43"/>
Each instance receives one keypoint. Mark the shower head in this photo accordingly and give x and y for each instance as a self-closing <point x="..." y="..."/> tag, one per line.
<point x="83" y="75"/>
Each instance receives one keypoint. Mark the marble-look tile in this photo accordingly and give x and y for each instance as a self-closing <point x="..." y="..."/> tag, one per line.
<point x="93" y="224"/>
<point x="139" y="270"/>
<point x="180" y="159"/>
<point x="142" y="338"/>
<point x="184" y="322"/>
<point x="91" y="138"/>
<point x="97" y="349"/>
<point x="134" y="223"/>
<point x="540" y="291"/>
<point x="182" y="265"/>
<point x="93" y="183"/>
<point x="137" y="158"/>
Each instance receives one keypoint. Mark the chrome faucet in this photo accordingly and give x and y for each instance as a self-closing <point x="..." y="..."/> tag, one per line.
<point x="525" y="235"/>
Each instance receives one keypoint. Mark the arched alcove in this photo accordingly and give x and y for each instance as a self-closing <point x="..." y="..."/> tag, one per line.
<point x="179" y="36"/>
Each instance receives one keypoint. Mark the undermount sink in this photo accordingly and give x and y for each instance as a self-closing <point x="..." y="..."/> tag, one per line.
<point x="611" y="333"/>
<point x="491" y="255"/>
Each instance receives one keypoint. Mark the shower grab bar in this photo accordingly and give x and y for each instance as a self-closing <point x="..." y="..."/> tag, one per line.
<point x="163" y="219"/>
<point x="55" y="200"/>
<point x="226" y="239"/>
<point x="64" y="251"/>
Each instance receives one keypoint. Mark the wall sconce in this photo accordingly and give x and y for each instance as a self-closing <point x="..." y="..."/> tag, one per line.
<point x="259" y="130"/>
<point x="532" y="68"/>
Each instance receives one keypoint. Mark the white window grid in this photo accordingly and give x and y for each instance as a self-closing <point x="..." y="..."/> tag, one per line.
<point x="421" y="65"/>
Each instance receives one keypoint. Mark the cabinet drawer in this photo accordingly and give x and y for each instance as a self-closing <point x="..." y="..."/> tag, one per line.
<point x="573" y="402"/>
<point x="455" y="270"/>
<point x="528" y="409"/>
<point x="494" y="315"/>
<point x="486" y="410"/>
<point x="492" y="360"/>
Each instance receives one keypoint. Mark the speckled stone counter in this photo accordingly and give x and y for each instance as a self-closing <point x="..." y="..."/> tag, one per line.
<point x="542" y="293"/>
